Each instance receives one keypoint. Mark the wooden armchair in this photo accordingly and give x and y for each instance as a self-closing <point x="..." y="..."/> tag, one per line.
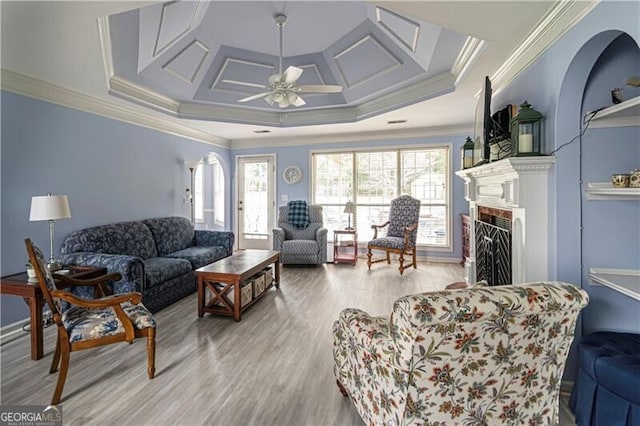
<point x="84" y="323"/>
<point x="401" y="234"/>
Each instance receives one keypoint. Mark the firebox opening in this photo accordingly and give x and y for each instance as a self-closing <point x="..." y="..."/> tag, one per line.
<point x="493" y="246"/>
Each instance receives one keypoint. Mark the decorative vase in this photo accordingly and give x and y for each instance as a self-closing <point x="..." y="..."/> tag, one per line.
<point x="31" y="274"/>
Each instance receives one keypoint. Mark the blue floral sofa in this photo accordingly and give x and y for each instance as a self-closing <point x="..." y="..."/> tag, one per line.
<point x="156" y="257"/>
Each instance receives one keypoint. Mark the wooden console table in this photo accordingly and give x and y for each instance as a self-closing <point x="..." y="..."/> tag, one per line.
<point x="19" y="285"/>
<point x="230" y="272"/>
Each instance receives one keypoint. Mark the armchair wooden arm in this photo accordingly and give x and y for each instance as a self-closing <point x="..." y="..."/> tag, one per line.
<point x="407" y="230"/>
<point x="104" y="302"/>
<point x="99" y="284"/>
<point x="376" y="227"/>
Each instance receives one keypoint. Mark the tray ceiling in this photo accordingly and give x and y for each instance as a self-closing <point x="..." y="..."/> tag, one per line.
<point x="195" y="60"/>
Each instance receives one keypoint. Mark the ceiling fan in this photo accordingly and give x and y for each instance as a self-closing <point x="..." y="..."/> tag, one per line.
<point x="281" y="88"/>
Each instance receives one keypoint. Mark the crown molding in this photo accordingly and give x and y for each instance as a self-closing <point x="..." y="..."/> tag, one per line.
<point x="560" y="19"/>
<point x="104" y="36"/>
<point x="471" y="49"/>
<point x="39" y="89"/>
<point x="426" y="132"/>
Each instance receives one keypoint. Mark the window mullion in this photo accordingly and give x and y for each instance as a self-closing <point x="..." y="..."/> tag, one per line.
<point x="398" y="173"/>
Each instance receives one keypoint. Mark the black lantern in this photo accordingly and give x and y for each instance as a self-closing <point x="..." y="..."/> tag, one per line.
<point x="466" y="154"/>
<point x="526" y="132"/>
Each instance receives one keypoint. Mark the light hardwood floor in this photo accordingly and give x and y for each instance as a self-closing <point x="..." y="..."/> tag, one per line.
<point x="275" y="367"/>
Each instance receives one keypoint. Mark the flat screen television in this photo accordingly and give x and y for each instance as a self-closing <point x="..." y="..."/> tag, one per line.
<point x="482" y="125"/>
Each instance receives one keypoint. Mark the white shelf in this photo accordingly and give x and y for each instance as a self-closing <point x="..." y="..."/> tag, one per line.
<point x="606" y="191"/>
<point x="624" y="114"/>
<point x="625" y="281"/>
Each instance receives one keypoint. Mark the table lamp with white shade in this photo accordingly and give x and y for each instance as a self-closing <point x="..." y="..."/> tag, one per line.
<point x="349" y="208"/>
<point x="50" y="207"/>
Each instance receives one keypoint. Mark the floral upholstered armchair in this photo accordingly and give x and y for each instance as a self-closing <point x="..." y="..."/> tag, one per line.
<point x="482" y="355"/>
<point x="301" y="245"/>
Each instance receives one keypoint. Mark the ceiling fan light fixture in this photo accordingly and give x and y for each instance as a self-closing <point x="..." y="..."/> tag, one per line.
<point x="277" y="96"/>
<point x="284" y="103"/>
<point x="282" y="88"/>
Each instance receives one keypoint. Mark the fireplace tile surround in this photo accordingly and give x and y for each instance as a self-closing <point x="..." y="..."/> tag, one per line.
<point x="516" y="189"/>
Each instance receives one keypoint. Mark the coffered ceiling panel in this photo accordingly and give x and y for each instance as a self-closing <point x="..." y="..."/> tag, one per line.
<point x="187" y="63"/>
<point x="403" y="29"/>
<point x="210" y="57"/>
<point x="236" y="75"/>
<point x="175" y="20"/>
<point x="355" y="71"/>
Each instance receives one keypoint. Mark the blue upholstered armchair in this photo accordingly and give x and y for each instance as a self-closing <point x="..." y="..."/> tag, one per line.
<point x="401" y="234"/>
<point x="301" y="246"/>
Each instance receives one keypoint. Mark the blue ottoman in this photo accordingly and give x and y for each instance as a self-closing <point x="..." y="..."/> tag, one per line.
<point x="607" y="386"/>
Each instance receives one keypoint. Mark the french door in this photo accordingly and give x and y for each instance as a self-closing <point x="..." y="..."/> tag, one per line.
<point x="255" y="207"/>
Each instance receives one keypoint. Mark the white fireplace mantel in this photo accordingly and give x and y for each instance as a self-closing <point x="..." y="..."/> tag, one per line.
<point x="521" y="185"/>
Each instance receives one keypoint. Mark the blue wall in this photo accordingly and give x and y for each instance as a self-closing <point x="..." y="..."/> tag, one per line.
<point x="111" y="171"/>
<point x="573" y="77"/>
<point x="301" y="156"/>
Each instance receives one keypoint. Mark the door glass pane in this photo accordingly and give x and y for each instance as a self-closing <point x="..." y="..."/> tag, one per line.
<point x="255" y="198"/>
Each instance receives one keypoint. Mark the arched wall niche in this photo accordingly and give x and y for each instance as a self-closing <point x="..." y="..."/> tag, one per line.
<point x="567" y="125"/>
<point x="597" y="234"/>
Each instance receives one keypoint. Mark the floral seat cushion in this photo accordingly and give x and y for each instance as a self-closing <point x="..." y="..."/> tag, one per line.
<point x="85" y="324"/>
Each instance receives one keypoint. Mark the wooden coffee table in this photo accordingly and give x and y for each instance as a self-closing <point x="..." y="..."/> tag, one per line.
<point x="228" y="274"/>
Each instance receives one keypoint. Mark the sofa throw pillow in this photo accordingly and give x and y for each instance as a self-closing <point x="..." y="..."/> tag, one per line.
<point x="298" y="213"/>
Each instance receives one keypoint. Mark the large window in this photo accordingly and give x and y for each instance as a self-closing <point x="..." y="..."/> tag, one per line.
<point x="371" y="179"/>
<point x="198" y="193"/>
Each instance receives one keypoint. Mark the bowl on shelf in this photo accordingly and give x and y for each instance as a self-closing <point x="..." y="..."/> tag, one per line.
<point x="634" y="179"/>
<point x="620" y="180"/>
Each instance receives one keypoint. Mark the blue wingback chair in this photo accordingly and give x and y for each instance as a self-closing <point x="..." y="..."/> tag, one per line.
<point x="301" y="246"/>
<point x="401" y="234"/>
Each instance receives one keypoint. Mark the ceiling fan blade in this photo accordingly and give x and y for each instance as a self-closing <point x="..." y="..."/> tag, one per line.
<point x="291" y="75"/>
<point x="254" y="97"/>
<point x="319" y="88"/>
<point x="298" y="101"/>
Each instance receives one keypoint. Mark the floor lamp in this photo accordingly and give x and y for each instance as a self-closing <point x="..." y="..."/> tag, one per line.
<point x="192" y="166"/>
<point x="50" y="208"/>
